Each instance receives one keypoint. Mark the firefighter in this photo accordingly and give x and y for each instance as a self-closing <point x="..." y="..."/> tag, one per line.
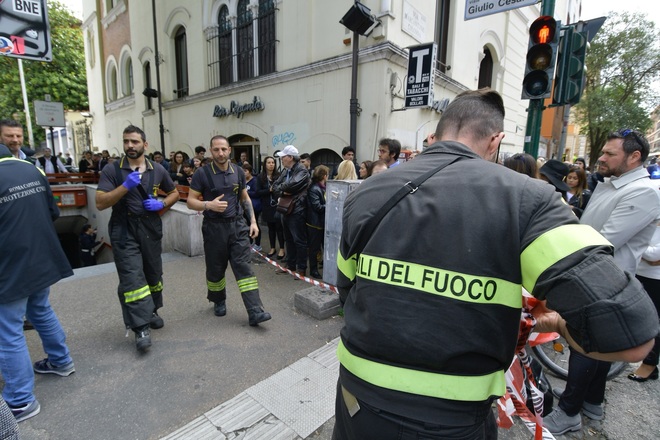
<point x="224" y="198"/>
<point x="129" y="186"/>
<point x="433" y="257"/>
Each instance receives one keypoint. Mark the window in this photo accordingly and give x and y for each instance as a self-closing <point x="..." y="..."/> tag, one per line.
<point x="127" y="76"/>
<point x="486" y="70"/>
<point x="245" y="48"/>
<point x="181" y="60"/>
<point x="266" y="46"/>
<point x="442" y="33"/>
<point x="225" y="46"/>
<point x="148" y="104"/>
<point x="112" y="83"/>
<point x="244" y="41"/>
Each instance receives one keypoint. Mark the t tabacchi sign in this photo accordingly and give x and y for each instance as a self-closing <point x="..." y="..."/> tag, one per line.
<point x="238" y="109"/>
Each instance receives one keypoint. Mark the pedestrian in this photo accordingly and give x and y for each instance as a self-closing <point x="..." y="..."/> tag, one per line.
<point x="315" y="217"/>
<point x="88" y="245"/>
<point x="267" y="179"/>
<point x="219" y="190"/>
<point x="129" y="187"/>
<point x="364" y="169"/>
<point x="346" y="171"/>
<point x="347" y="153"/>
<point x="578" y="194"/>
<point x="252" y="186"/>
<point x="293" y="183"/>
<point x="29" y="265"/>
<point x="389" y="151"/>
<point x="431" y="324"/>
<point x="625" y="209"/>
<point x="523" y="163"/>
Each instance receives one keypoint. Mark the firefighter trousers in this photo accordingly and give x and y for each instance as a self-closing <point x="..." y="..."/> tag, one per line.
<point x="228" y="241"/>
<point x="136" y="246"/>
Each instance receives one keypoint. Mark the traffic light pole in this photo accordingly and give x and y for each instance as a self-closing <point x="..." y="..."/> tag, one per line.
<point x="535" y="109"/>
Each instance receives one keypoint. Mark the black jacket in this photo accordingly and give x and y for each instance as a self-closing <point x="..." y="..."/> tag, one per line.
<point x="297" y="183"/>
<point x="316" y="206"/>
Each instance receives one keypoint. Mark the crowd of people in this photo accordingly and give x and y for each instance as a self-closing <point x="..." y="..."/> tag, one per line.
<point x="588" y="253"/>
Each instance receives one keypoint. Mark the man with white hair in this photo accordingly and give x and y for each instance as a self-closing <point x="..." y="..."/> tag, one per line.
<point x="294" y="181"/>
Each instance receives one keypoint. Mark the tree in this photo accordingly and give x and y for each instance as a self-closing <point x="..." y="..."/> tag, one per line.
<point x="64" y="78"/>
<point x="623" y="61"/>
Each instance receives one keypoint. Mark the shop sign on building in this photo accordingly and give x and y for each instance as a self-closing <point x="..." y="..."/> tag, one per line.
<point x="237" y="109"/>
<point x="420" y="78"/>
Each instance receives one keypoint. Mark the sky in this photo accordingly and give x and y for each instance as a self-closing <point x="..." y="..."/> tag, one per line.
<point x="600" y="8"/>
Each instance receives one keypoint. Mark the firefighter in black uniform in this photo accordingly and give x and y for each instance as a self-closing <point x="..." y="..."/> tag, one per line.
<point x="432" y="317"/>
<point x="226" y="234"/>
<point x="130" y="186"/>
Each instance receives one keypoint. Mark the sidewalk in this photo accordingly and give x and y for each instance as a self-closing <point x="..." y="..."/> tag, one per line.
<point x="217" y="378"/>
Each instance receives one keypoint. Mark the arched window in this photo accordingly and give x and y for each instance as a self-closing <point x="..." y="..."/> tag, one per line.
<point x="127" y="76"/>
<point x="111" y="82"/>
<point x="225" y="47"/>
<point x="266" y="43"/>
<point x="181" y="61"/>
<point x="486" y="70"/>
<point x="244" y="41"/>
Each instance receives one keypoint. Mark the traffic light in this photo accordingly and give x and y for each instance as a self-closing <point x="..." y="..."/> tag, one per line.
<point x="570" y="67"/>
<point x="541" y="57"/>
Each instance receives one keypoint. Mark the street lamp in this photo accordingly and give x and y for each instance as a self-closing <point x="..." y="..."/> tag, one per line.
<point x="359" y="20"/>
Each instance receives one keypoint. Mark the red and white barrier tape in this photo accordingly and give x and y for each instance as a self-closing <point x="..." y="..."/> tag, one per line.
<point x="310" y="280"/>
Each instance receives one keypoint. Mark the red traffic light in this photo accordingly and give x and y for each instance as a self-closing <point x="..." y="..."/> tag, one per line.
<point x="543" y="30"/>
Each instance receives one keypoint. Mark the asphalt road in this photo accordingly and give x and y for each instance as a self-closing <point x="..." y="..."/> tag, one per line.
<point x="199" y="361"/>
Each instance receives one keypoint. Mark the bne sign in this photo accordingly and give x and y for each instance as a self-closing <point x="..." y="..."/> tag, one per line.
<point x="420" y="78"/>
<point x="479" y="8"/>
<point x="24" y="30"/>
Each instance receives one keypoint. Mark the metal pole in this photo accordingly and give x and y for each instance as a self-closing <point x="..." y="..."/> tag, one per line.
<point x="28" y="118"/>
<point x="160" y="102"/>
<point x="354" y="101"/>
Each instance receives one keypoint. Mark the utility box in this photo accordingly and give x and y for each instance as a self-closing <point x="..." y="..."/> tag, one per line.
<point x="335" y="195"/>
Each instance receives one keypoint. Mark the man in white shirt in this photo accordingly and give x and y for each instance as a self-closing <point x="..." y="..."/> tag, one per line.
<point x="624" y="209"/>
<point x="49" y="163"/>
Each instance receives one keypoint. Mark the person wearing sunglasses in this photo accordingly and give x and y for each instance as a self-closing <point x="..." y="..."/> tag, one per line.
<point x="625" y="209"/>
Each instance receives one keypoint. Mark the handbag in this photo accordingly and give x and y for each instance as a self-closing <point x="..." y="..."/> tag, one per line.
<point x="285" y="204"/>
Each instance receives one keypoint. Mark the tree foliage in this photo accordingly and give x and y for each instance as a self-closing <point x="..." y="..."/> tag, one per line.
<point x="623" y="61"/>
<point x="64" y="78"/>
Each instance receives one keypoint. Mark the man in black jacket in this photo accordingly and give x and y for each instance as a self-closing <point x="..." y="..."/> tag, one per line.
<point x="26" y="198"/>
<point x="294" y="181"/>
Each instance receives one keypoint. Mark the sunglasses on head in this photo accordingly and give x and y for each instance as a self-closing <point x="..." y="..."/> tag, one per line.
<point x="625" y="132"/>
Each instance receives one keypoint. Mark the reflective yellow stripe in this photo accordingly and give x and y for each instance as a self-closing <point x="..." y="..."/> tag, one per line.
<point x="347" y="267"/>
<point x="157" y="288"/>
<point x="247" y="284"/>
<point x="423" y="383"/>
<point x="454" y="285"/>
<point x="137" y="294"/>
<point x="217" y="286"/>
<point x="554" y="245"/>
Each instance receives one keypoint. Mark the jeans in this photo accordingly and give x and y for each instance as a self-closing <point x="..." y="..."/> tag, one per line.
<point x="295" y="239"/>
<point x="585" y="383"/>
<point x="15" y="362"/>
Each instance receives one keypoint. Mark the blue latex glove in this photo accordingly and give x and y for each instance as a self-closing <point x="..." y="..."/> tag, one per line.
<point x="152" y="204"/>
<point x="132" y="180"/>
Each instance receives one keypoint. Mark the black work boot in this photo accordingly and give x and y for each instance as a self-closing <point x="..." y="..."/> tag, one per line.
<point x="220" y="308"/>
<point x="257" y="316"/>
<point x="142" y="338"/>
<point x="156" y="321"/>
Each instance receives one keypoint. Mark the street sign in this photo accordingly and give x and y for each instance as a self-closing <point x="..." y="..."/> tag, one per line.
<point x="420" y="78"/>
<point x="24" y="30"/>
<point x="479" y="8"/>
<point x="49" y="114"/>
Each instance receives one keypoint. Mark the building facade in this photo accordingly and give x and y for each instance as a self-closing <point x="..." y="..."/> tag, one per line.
<point x="268" y="73"/>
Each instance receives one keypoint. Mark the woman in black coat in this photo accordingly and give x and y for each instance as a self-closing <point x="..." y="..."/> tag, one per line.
<point x="266" y="178"/>
<point x="315" y="217"/>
